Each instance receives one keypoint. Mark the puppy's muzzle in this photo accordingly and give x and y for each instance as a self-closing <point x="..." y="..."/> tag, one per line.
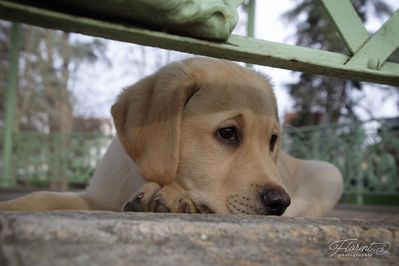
<point x="275" y="200"/>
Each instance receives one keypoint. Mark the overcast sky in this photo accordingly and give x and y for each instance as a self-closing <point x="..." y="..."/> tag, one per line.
<point x="98" y="85"/>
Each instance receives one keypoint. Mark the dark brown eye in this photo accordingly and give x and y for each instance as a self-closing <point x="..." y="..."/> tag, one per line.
<point x="228" y="134"/>
<point x="273" y="141"/>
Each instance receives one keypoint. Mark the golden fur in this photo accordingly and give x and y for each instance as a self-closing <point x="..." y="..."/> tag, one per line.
<point x="168" y="157"/>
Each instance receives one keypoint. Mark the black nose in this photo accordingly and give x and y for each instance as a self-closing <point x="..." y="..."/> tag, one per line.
<point x="275" y="200"/>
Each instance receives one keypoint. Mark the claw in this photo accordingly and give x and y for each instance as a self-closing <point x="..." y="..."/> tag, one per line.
<point x="184" y="208"/>
<point x="140" y="196"/>
<point x="134" y="206"/>
<point x="159" y="207"/>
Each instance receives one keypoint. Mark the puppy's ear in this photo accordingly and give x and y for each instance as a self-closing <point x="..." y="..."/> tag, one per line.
<point x="147" y="117"/>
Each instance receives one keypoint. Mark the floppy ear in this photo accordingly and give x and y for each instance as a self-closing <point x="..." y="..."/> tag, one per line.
<point x="147" y="117"/>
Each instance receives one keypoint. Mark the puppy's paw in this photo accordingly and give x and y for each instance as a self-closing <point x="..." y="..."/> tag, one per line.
<point x="172" y="198"/>
<point x="152" y="198"/>
<point x="141" y="200"/>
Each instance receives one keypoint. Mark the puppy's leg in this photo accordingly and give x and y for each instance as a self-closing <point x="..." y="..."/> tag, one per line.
<point x="151" y="197"/>
<point x="319" y="189"/>
<point x="45" y="200"/>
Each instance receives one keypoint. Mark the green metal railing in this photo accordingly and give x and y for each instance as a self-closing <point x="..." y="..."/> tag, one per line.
<point x="366" y="153"/>
<point x="41" y="159"/>
<point x="10" y="104"/>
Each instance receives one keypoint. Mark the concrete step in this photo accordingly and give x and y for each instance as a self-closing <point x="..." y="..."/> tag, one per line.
<point x="108" y="238"/>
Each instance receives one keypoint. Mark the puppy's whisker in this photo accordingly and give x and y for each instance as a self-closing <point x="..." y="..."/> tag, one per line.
<point x="294" y="129"/>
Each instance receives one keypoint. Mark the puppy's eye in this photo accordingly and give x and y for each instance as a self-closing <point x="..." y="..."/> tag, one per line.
<point x="228" y="134"/>
<point x="273" y="141"/>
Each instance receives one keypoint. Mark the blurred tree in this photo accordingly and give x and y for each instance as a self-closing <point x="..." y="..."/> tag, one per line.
<point x="320" y="99"/>
<point x="49" y="61"/>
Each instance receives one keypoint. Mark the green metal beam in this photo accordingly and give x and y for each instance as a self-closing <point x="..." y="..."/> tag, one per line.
<point x="250" y="21"/>
<point x="10" y="108"/>
<point x="237" y="48"/>
<point x="369" y="52"/>
<point x="379" y="47"/>
<point x="348" y="23"/>
<point x="251" y="18"/>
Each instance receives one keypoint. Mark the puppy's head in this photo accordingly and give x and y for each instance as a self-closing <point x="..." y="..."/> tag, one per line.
<point x="211" y="126"/>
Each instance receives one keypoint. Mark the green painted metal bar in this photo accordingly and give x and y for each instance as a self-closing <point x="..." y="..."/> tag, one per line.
<point x="250" y="21"/>
<point x="251" y="18"/>
<point x="237" y="48"/>
<point x="10" y="107"/>
<point x="348" y="23"/>
<point x="379" y="47"/>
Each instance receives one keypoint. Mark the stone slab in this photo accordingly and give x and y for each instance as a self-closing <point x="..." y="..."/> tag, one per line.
<point x="109" y="238"/>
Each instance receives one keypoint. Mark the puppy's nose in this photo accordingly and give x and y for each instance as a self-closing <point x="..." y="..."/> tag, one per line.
<point x="275" y="200"/>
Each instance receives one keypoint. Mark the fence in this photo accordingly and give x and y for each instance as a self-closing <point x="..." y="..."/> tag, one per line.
<point x="41" y="160"/>
<point x="367" y="154"/>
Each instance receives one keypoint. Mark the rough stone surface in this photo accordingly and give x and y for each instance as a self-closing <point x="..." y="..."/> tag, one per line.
<point x="107" y="238"/>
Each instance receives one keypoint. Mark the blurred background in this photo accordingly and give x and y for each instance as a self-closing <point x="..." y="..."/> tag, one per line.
<point x="67" y="83"/>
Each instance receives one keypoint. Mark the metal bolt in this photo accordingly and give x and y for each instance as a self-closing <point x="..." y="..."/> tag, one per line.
<point x="373" y="63"/>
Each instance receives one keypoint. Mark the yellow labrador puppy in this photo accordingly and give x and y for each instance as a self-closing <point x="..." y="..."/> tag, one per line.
<point x="201" y="135"/>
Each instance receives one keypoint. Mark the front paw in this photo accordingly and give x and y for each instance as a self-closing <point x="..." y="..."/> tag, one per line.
<point x="141" y="200"/>
<point x="151" y="197"/>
